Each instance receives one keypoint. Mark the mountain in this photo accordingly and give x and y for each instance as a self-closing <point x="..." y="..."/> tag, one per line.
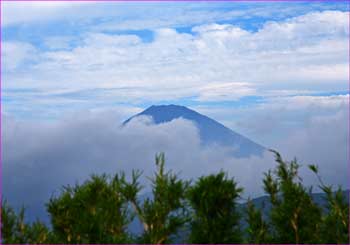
<point x="210" y="130"/>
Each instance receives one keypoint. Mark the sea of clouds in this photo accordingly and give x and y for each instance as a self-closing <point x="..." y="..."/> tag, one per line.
<point x="39" y="158"/>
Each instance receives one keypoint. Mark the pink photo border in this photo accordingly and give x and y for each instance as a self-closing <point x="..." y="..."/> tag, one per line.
<point x="135" y="1"/>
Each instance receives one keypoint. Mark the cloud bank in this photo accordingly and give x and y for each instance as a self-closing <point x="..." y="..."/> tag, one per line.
<point x="39" y="158"/>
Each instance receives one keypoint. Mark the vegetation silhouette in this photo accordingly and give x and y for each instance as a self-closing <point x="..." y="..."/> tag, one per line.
<point x="201" y="211"/>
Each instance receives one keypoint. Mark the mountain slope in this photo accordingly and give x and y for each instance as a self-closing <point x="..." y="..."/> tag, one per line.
<point x="210" y="130"/>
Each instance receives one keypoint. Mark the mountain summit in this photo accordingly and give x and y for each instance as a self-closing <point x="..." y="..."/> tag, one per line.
<point x="210" y="130"/>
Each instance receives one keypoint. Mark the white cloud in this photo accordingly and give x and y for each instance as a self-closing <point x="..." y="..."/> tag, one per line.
<point x="58" y="42"/>
<point x="308" y="51"/>
<point x="314" y="129"/>
<point x="73" y="148"/>
<point x="316" y="103"/>
<point x="35" y="11"/>
<point x="311" y="26"/>
<point x="278" y="117"/>
<point x="117" y="15"/>
<point x="15" y="54"/>
<point x="225" y="91"/>
<point x="323" y="141"/>
<point x="151" y="15"/>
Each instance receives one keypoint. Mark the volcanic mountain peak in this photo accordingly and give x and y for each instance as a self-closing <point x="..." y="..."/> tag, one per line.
<point x="211" y="131"/>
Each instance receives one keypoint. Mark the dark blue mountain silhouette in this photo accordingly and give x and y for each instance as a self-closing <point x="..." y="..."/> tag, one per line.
<point x="210" y="130"/>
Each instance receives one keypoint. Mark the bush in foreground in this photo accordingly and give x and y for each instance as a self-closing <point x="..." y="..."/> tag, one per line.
<point x="206" y="211"/>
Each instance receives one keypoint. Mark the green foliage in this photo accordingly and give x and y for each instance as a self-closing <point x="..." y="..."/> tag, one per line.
<point x="335" y="224"/>
<point x="258" y="229"/>
<point x="100" y="209"/>
<point x="215" y="218"/>
<point x="164" y="214"/>
<point x="294" y="216"/>
<point x="15" y="230"/>
<point x="94" y="212"/>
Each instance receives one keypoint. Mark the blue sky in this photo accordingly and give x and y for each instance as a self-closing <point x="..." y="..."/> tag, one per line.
<point x="220" y="58"/>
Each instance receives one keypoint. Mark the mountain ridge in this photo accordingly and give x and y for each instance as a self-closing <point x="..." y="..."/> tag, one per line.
<point x="211" y="131"/>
